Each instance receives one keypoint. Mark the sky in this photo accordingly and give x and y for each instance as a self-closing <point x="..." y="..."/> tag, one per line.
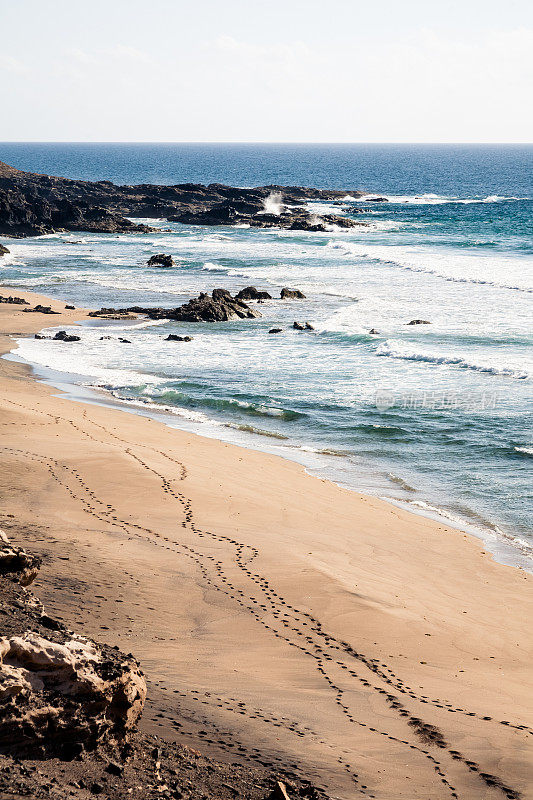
<point x="257" y="71"/>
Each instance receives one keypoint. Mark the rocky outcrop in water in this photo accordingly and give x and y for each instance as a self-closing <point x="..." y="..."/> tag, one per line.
<point x="33" y="204"/>
<point x="251" y="293"/>
<point x="160" y="260"/>
<point x="220" y="306"/>
<point x="419" y="322"/>
<point x="3" y="250"/>
<point x="292" y="294"/>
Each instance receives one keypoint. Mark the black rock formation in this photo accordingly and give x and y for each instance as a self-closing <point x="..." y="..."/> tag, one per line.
<point x="160" y="260"/>
<point x="39" y="309"/>
<point x="220" y="306"/>
<point x="16" y="301"/>
<point x="173" y="337"/>
<point x="33" y="204"/>
<point x="292" y="294"/>
<point x="251" y="293"/>
<point x="419" y="322"/>
<point x="63" y="336"/>
<point x="3" y="250"/>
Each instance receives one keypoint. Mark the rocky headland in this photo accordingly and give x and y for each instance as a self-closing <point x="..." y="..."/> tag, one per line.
<point x="32" y="204"/>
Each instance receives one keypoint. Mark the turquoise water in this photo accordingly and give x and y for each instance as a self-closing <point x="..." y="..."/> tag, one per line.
<point x="438" y="416"/>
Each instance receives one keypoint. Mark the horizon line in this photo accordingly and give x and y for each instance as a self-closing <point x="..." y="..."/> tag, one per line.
<point x="263" y="143"/>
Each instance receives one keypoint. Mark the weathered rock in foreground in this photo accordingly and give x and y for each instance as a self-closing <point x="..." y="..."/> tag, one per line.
<point x="60" y="694"/>
<point x="16" y="564"/>
<point x="68" y="708"/>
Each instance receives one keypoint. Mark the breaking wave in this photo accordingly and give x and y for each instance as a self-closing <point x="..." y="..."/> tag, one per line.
<point x="393" y="349"/>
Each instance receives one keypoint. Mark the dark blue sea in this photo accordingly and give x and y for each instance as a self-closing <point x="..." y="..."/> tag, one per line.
<point x="435" y="416"/>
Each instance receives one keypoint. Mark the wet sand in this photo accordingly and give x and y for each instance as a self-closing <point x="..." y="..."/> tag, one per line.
<point x="278" y="617"/>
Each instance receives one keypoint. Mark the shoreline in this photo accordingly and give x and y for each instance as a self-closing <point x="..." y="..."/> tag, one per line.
<point x="507" y="549"/>
<point x="380" y="579"/>
<point x="504" y="548"/>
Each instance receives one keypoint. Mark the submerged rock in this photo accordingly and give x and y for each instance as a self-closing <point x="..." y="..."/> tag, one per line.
<point x="173" y="337"/>
<point x="160" y="260"/>
<point x="374" y="332"/>
<point x="275" y="330"/>
<point x="292" y="294"/>
<point x="419" y="322"/>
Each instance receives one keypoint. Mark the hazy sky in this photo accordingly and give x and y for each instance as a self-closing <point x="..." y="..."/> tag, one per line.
<point x="251" y="70"/>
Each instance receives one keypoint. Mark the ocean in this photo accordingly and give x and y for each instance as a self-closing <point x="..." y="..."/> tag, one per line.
<point x="436" y="417"/>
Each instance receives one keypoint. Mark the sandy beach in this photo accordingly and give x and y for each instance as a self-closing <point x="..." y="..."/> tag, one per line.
<point x="278" y="617"/>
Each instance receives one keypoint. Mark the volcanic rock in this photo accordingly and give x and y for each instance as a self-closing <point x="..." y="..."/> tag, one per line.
<point x="292" y="294"/>
<point x="219" y="307"/>
<point x="3" y="250"/>
<point x="39" y="309"/>
<point x="251" y="293"/>
<point x="63" y="336"/>
<point x="275" y="330"/>
<point x="419" y="322"/>
<point x="17" y="301"/>
<point x="172" y="337"/>
<point x="33" y="204"/>
<point x="160" y="260"/>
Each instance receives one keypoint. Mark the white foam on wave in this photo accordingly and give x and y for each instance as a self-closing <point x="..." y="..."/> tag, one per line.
<point x="79" y="359"/>
<point x="209" y="266"/>
<point x="459" y="267"/>
<point x="149" y="323"/>
<point x="527" y="450"/>
<point x="394" y="349"/>
<point x="178" y="411"/>
<point x="438" y="199"/>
